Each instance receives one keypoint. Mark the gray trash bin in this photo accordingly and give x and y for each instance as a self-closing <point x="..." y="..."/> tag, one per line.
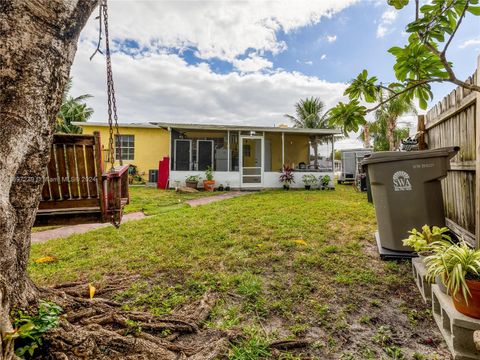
<point x="406" y="192"/>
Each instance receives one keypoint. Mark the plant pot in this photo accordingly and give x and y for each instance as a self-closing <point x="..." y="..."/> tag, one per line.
<point x="471" y="309"/>
<point x="227" y="188"/>
<point x="221" y="188"/>
<point x="191" y="184"/>
<point x="209" y="185"/>
<point x="286" y="187"/>
<point x="423" y="254"/>
<point x="307" y="187"/>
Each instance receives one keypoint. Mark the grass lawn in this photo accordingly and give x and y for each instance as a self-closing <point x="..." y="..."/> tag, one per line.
<point x="152" y="201"/>
<point x="288" y="264"/>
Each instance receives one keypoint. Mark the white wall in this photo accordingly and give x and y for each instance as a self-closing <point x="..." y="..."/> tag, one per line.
<point x="270" y="179"/>
<point x="220" y="177"/>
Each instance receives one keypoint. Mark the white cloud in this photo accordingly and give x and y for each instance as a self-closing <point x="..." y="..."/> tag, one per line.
<point x="221" y="29"/>
<point x="309" y="62"/>
<point x="163" y="87"/>
<point x="323" y="57"/>
<point x="470" y="42"/>
<point x="252" y="63"/>
<point x="331" y="38"/>
<point x="386" y="22"/>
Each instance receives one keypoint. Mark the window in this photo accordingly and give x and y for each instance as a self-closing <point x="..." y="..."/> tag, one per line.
<point x="125" y="145"/>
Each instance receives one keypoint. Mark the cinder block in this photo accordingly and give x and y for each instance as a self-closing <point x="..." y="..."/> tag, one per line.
<point x="419" y="271"/>
<point x="456" y="328"/>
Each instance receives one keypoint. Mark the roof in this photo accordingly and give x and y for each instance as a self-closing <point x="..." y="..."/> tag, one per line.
<point x="165" y="125"/>
<point x="248" y="128"/>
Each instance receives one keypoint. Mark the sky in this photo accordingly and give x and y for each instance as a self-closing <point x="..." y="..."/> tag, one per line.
<point x="246" y="62"/>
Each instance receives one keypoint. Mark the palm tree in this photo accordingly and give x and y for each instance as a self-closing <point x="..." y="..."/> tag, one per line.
<point x="309" y="114"/>
<point x="387" y="116"/>
<point x="73" y="109"/>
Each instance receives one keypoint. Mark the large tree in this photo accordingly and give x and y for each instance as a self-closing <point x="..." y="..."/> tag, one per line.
<point x="38" y="41"/>
<point x="418" y="64"/>
<point x="309" y="113"/>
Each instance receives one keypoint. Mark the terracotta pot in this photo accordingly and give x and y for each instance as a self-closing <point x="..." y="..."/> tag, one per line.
<point x="208" y="185"/>
<point x="191" y="184"/>
<point x="471" y="309"/>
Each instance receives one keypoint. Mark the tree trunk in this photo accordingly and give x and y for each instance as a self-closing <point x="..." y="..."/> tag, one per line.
<point x="315" y="152"/>
<point x="366" y="135"/>
<point x="391" y="126"/>
<point x="37" y="45"/>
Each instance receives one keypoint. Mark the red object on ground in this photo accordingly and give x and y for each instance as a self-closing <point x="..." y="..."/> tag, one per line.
<point x="163" y="173"/>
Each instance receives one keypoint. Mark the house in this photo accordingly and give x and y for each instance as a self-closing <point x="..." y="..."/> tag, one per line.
<point x="241" y="156"/>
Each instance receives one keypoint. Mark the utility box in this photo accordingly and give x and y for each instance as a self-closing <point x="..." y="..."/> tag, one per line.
<point x="406" y="193"/>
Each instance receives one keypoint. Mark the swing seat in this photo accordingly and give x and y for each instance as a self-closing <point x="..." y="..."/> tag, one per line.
<point x="76" y="190"/>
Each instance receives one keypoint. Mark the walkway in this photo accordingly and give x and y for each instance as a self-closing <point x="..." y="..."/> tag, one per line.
<point x="215" y="198"/>
<point x="62" y="232"/>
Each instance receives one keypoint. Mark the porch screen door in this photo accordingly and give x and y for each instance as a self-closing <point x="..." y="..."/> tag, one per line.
<point x="183" y="155"/>
<point x="252" y="161"/>
<point x="204" y="154"/>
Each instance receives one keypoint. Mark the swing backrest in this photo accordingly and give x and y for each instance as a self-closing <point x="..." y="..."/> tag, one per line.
<point x="74" y="191"/>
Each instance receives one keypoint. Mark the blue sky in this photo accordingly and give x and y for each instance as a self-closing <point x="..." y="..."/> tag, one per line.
<point x="247" y="61"/>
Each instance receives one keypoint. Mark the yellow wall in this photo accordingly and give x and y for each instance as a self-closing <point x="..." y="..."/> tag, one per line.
<point x="151" y="145"/>
<point x="296" y="149"/>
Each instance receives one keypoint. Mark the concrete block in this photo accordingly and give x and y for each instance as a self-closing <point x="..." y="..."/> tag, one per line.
<point x="456" y="328"/>
<point x="419" y="271"/>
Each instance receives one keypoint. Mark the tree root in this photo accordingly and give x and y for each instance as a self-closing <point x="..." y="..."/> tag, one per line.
<point x="100" y="329"/>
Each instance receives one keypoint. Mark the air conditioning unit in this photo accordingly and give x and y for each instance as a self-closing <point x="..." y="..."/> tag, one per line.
<point x="152" y="176"/>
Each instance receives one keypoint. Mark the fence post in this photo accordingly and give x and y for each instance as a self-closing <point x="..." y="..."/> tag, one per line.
<point x="477" y="159"/>
<point x="421" y="130"/>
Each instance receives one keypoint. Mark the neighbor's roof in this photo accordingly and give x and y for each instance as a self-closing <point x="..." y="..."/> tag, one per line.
<point x="164" y="125"/>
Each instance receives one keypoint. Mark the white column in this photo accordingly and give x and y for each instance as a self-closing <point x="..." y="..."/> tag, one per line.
<point x="228" y="150"/>
<point x="283" y="148"/>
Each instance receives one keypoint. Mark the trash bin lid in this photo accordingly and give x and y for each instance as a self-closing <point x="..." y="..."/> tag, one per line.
<point x="388" y="156"/>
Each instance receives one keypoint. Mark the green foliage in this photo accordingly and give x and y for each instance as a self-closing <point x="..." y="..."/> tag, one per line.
<point x="325" y="180"/>
<point x="309" y="114"/>
<point x="398" y="4"/>
<point x="422" y="241"/>
<point x="209" y="173"/>
<point x="349" y="116"/>
<point x="309" y="179"/>
<point x="29" y="329"/>
<point x="363" y="87"/>
<point x="193" y="178"/>
<point x="73" y="109"/>
<point x="453" y="263"/>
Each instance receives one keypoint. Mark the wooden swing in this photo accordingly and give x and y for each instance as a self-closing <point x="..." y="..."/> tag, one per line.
<point x="77" y="190"/>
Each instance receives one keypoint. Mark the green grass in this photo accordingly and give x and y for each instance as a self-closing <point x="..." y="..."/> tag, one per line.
<point x="286" y="264"/>
<point x="152" y="201"/>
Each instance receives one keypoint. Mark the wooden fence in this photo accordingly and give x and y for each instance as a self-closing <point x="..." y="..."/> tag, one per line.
<point x="453" y="122"/>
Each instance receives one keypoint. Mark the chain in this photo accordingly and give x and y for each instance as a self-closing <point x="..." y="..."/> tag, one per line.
<point x="112" y="103"/>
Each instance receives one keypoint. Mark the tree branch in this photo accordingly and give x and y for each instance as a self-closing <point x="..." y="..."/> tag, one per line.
<point x="456" y="27"/>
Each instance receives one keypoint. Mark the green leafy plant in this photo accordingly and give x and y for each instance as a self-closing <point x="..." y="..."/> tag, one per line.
<point x="193" y="178"/>
<point x="309" y="180"/>
<point x="454" y="263"/>
<point x="422" y="241"/>
<point x="29" y="329"/>
<point x="325" y="180"/>
<point x="209" y="173"/>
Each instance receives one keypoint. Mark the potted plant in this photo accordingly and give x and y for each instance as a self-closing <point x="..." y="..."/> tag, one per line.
<point x="220" y="187"/>
<point x="192" y="181"/>
<point x="286" y="176"/>
<point x="209" y="183"/>
<point x="459" y="267"/>
<point x="325" y="182"/>
<point x="309" y="180"/>
<point x="421" y="242"/>
<point x="227" y="187"/>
